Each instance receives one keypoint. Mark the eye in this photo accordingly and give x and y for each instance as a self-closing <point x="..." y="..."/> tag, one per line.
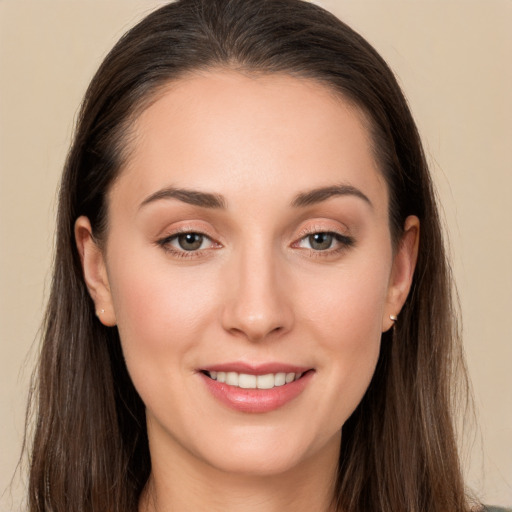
<point x="187" y="243"/>
<point x="320" y="241"/>
<point x="325" y="241"/>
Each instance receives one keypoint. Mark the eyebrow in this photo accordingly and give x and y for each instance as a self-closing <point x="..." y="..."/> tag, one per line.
<point x="193" y="197"/>
<point x="217" y="201"/>
<point x="319" y="195"/>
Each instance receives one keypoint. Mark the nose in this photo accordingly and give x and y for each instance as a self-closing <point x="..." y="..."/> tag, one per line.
<point x="258" y="304"/>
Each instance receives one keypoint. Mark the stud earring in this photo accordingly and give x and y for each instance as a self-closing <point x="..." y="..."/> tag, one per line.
<point x="393" y="318"/>
<point x="101" y="311"/>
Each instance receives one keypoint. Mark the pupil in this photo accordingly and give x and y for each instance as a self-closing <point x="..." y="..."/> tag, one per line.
<point x="190" y="241"/>
<point x="320" y="241"/>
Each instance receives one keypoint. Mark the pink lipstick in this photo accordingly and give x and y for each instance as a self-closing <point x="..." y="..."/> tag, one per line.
<point x="255" y="388"/>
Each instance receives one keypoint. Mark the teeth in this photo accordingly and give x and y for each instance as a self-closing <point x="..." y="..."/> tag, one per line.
<point x="232" y="378"/>
<point x="280" y="379"/>
<point x="248" y="381"/>
<point x="266" y="381"/>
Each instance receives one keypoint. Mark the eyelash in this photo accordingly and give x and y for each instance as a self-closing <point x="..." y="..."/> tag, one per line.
<point x="165" y="243"/>
<point x="344" y="242"/>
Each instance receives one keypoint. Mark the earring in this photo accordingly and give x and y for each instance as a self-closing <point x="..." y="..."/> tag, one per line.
<point x="100" y="312"/>
<point x="393" y="318"/>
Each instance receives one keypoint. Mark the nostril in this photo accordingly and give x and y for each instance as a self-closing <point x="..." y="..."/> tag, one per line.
<point x="256" y="329"/>
<point x="256" y="309"/>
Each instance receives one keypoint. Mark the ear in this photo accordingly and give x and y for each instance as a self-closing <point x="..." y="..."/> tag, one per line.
<point x="402" y="271"/>
<point x="95" y="271"/>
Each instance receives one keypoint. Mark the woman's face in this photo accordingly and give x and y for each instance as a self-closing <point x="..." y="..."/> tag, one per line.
<point x="248" y="241"/>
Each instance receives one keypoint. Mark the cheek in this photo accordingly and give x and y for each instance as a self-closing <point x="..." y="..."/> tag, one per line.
<point x="348" y="308"/>
<point x="345" y="319"/>
<point x="163" y="317"/>
<point x="160" y="311"/>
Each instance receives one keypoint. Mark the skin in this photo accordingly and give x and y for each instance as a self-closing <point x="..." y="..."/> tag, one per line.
<point x="257" y="290"/>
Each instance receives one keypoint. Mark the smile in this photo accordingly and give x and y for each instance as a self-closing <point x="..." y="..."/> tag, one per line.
<point x="256" y="389"/>
<point x="248" y="381"/>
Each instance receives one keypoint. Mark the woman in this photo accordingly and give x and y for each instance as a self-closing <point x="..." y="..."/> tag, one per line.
<point x="251" y="302"/>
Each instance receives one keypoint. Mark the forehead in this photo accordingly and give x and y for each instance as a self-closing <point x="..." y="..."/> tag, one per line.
<point x="235" y="134"/>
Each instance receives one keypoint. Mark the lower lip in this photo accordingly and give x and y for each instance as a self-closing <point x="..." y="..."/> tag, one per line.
<point x="256" y="400"/>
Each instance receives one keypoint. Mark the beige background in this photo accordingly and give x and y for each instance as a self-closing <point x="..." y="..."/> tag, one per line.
<point x="454" y="62"/>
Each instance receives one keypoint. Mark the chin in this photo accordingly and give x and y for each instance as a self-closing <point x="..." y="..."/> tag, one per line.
<point x="271" y="452"/>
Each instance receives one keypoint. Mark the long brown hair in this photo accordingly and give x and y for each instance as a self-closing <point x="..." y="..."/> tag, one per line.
<point x="90" y="449"/>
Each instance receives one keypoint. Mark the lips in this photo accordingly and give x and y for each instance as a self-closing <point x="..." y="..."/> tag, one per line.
<point x="256" y="389"/>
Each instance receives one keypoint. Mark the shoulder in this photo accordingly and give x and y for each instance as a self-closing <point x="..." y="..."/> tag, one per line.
<point x="496" y="509"/>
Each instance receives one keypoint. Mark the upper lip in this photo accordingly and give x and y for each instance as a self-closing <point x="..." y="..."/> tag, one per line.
<point x="256" y="368"/>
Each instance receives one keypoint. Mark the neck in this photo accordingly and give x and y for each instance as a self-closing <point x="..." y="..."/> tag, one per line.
<point x="182" y="483"/>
